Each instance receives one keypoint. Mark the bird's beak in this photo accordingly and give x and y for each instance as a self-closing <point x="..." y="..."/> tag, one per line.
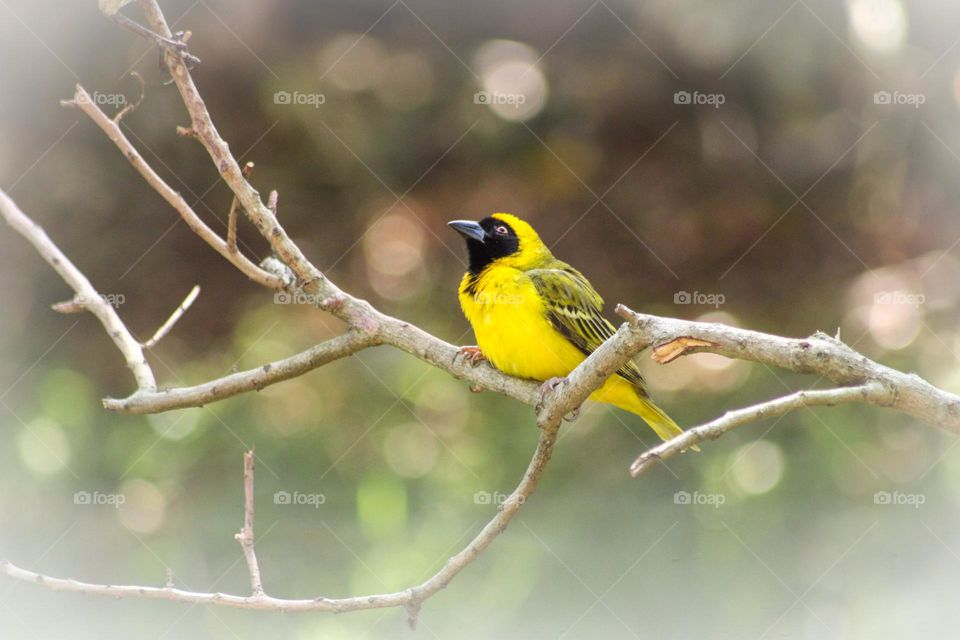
<point x="468" y="229"/>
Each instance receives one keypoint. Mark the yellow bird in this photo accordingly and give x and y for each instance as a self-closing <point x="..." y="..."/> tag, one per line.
<point x="536" y="317"/>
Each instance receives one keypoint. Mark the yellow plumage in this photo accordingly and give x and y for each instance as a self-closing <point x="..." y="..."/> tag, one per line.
<point x="536" y="317"/>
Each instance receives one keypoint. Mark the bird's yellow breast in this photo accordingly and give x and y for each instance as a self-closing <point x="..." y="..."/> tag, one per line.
<point x="511" y="326"/>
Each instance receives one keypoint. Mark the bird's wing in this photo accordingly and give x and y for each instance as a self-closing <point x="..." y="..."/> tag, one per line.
<point x="575" y="310"/>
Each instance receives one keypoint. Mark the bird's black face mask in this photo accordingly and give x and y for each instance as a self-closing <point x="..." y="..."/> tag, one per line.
<point x="487" y="241"/>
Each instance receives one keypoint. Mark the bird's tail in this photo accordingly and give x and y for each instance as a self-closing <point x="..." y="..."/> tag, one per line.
<point x="621" y="393"/>
<point x="659" y="421"/>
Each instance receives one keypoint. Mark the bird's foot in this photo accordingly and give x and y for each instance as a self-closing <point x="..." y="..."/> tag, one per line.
<point x="472" y="354"/>
<point x="545" y="389"/>
<point x="573" y="415"/>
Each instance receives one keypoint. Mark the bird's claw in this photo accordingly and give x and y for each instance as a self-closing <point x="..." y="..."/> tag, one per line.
<point x="472" y="355"/>
<point x="546" y="388"/>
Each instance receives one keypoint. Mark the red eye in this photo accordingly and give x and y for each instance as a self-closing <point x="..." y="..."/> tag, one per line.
<point x="501" y="230"/>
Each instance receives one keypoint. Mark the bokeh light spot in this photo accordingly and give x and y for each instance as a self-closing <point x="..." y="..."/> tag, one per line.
<point x="881" y="25"/>
<point x="353" y="62"/>
<point x="43" y="446"/>
<point x="144" y="506"/>
<point x="393" y="249"/>
<point x="757" y="467"/>
<point x="514" y="87"/>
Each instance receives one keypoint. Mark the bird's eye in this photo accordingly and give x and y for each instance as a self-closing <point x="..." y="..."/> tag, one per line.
<point x="500" y="229"/>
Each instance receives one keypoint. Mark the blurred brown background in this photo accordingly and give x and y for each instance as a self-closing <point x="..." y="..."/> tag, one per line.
<point x="785" y="167"/>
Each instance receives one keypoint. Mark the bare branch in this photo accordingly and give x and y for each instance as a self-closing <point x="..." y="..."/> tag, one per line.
<point x="158" y="400"/>
<point x="411" y="598"/>
<point x="819" y="354"/>
<point x="871" y="393"/>
<point x="351" y="310"/>
<point x="86" y="294"/>
<point x="82" y="100"/>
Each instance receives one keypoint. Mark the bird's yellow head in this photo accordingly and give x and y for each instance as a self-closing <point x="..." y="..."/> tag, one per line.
<point x="502" y="239"/>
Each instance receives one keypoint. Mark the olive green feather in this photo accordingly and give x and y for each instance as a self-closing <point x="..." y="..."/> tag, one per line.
<point x="575" y="309"/>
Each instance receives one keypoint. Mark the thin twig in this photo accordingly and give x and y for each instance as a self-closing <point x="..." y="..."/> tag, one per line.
<point x="232" y="216"/>
<point x="245" y="537"/>
<point x="111" y="8"/>
<point x="872" y="393"/>
<point x="174" y="317"/>
<point x="133" y="105"/>
<point x="243" y="381"/>
<point x="73" y="305"/>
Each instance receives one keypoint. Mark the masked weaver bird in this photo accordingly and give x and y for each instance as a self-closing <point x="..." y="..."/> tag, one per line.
<point x="536" y="317"/>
